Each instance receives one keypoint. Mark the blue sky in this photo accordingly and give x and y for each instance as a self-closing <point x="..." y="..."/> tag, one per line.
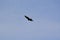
<point x="45" y="13"/>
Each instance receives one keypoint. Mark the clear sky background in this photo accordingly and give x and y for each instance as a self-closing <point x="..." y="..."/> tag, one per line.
<point x="45" y="13"/>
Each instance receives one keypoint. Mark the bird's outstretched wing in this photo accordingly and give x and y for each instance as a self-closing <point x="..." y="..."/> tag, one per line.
<point x="29" y="19"/>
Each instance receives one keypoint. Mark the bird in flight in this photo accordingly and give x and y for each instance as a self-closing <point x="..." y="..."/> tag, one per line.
<point x="29" y="19"/>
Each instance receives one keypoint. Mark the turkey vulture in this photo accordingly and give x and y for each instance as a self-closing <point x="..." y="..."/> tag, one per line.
<point x="29" y="19"/>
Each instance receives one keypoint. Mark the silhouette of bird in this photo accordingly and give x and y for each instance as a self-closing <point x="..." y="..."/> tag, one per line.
<point x="29" y="19"/>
